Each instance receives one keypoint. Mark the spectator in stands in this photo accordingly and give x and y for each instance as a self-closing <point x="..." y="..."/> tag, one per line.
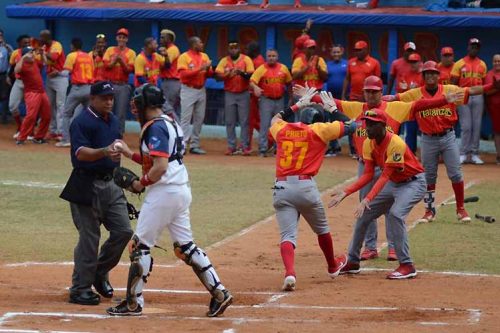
<point x="97" y="55"/>
<point x="17" y="86"/>
<point x="80" y="66"/>
<point x="493" y="102"/>
<point x="467" y="72"/>
<point x="400" y="76"/>
<point x="269" y="83"/>
<point x="446" y="64"/>
<point x="37" y="102"/>
<point x="235" y="70"/>
<point x="5" y="52"/>
<point x="57" y="82"/>
<point x="148" y="64"/>
<point x="253" y="51"/>
<point x="119" y="62"/>
<point x="337" y="71"/>
<point x="170" y="85"/>
<point x="194" y="67"/>
<point x="265" y="4"/>
<point x="358" y="69"/>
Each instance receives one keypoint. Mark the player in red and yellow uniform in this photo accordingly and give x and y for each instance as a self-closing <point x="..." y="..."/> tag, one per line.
<point x="309" y="69"/>
<point x="467" y="72"/>
<point x="253" y="51"/>
<point x="398" y="189"/>
<point x="170" y="84"/>
<point x="438" y="139"/>
<point x="236" y="69"/>
<point x="17" y="90"/>
<point x="301" y="148"/>
<point x="148" y="64"/>
<point x="269" y="83"/>
<point x="446" y="65"/>
<point x="98" y="55"/>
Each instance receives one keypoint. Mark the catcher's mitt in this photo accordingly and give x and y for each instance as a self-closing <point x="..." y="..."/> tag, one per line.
<point x="124" y="178"/>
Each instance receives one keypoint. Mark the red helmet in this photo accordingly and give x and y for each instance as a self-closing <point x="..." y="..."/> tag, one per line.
<point x="373" y="83"/>
<point x="299" y="41"/>
<point x="376" y="115"/>
<point x="430" y="66"/>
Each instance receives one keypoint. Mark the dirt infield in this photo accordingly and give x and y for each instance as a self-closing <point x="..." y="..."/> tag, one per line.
<point x="34" y="297"/>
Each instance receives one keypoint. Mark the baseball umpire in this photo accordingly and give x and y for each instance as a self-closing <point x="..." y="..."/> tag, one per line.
<point x="301" y="148"/>
<point x="166" y="204"/>
<point x="94" y="198"/>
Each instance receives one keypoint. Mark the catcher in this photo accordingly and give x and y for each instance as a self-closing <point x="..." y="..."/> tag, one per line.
<point x="166" y="204"/>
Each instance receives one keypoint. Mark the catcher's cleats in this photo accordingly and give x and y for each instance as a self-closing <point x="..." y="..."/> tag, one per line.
<point x="122" y="309"/>
<point x="218" y="304"/>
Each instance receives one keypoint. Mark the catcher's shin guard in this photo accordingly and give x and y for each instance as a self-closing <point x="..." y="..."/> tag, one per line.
<point x="198" y="260"/>
<point x="429" y="198"/>
<point x="140" y="267"/>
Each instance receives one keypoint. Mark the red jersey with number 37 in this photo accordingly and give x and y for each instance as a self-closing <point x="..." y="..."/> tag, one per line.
<point x="301" y="148"/>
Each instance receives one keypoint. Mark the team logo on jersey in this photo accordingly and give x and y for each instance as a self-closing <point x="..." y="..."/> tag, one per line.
<point x="396" y="157"/>
<point x="154" y="143"/>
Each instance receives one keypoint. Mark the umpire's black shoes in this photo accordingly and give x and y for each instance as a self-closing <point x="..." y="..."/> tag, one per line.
<point x="85" y="298"/>
<point x="103" y="287"/>
<point x="122" y="309"/>
<point x="217" y="307"/>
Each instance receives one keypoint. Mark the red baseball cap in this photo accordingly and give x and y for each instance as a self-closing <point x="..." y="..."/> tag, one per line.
<point x="376" y="115"/>
<point x="373" y="83"/>
<point x="122" y="31"/>
<point x="474" y="41"/>
<point x="430" y="66"/>
<point x="410" y="45"/>
<point x="310" y="43"/>
<point x="414" y="57"/>
<point x="299" y="41"/>
<point x="360" y="45"/>
<point x="447" y="50"/>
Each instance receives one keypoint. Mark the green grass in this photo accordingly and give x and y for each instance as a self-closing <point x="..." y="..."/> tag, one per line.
<point x="37" y="226"/>
<point x="446" y="245"/>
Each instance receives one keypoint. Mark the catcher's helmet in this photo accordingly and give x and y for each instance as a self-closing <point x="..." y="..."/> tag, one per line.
<point x="310" y="115"/>
<point x="148" y="95"/>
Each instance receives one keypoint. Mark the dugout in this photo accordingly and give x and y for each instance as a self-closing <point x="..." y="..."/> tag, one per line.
<point x="385" y="28"/>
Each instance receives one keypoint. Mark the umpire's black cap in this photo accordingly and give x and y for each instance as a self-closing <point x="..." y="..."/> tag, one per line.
<point x="102" y="88"/>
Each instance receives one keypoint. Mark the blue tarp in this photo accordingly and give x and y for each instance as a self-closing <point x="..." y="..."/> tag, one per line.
<point x="255" y="17"/>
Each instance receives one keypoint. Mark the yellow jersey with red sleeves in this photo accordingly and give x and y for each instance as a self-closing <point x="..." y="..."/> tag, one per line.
<point x="192" y="61"/>
<point x="272" y="79"/>
<point x="14" y="59"/>
<point x="99" y="68"/>
<point x="436" y="120"/>
<point x="393" y="153"/>
<point x="235" y="83"/>
<point x="148" y="67"/>
<point x="301" y="148"/>
<point x="469" y="71"/>
<point x="55" y="57"/>
<point x="396" y="113"/>
<point x="444" y="73"/>
<point x="81" y="66"/>
<point x="311" y="76"/>
<point x="171" y="72"/>
<point x="117" y="74"/>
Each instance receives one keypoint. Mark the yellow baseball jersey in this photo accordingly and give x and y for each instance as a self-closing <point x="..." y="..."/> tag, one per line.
<point x="149" y="67"/>
<point x="117" y="73"/>
<point x="81" y="66"/>
<point x="469" y="71"/>
<point x="272" y="79"/>
<point x="173" y="54"/>
<point x="235" y="83"/>
<point x="311" y="76"/>
<point x="191" y="61"/>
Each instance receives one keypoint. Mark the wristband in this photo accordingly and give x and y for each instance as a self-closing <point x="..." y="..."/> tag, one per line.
<point x="136" y="157"/>
<point x="145" y="181"/>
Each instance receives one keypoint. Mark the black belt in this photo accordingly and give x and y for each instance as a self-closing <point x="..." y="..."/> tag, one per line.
<point x="441" y="134"/>
<point x="98" y="175"/>
<point x="412" y="178"/>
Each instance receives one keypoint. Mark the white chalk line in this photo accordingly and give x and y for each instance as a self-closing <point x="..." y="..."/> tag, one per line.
<point x="71" y="263"/>
<point x="31" y="184"/>
<point x="11" y="330"/>
<point x="204" y="292"/>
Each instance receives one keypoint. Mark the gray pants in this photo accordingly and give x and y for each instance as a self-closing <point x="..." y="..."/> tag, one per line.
<point x="109" y="207"/>
<point x="79" y="94"/>
<point x="121" y="103"/>
<point x="293" y="198"/>
<point x="396" y="200"/>
<point x="237" y="107"/>
<point x="470" y="116"/>
<point x="193" y="103"/>
<point x="172" y="91"/>
<point x="432" y="147"/>
<point x="268" y="108"/>
<point x="372" y="229"/>
<point x="16" y="96"/>
<point x="56" y="88"/>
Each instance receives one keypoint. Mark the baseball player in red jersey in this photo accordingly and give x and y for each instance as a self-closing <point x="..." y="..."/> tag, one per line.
<point x="98" y="55"/>
<point x="301" y="148"/>
<point x="436" y="125"/>
<point x="148" y="63"/>
<point x="170" y="84"/>
<point x="446" y="65"/>
<point x="311" y="68"/>
<point x="253" y="51"/>
<point x="493" y="102"/>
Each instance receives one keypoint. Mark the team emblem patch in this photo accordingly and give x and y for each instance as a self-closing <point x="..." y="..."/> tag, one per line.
<point x="154" y="143"/>
<point x="396" y="157"/>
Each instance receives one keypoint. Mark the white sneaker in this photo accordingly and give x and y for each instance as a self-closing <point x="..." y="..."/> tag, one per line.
<point x="30" y="137"/>
<point x="15" y="135"/>
<point x="476" y="160"/>
<point x="463" y="158"/>
<point x="63" y="144"/>
<point x="289" y="284"/>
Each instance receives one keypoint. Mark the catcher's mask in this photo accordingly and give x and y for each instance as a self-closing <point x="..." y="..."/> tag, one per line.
<point x="310" y="115"/>
<point x="147" y="95"/>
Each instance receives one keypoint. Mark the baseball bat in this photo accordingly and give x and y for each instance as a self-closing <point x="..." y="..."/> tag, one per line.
<point x="486" y="218"/>
<point x="474" y="198"/>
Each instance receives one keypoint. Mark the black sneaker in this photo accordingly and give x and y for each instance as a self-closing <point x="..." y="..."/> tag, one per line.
<point x="123" y="310"/>
<point x="39" y="141"/>
<point x="20" y="142"/>
<point x="217" y="308"/>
